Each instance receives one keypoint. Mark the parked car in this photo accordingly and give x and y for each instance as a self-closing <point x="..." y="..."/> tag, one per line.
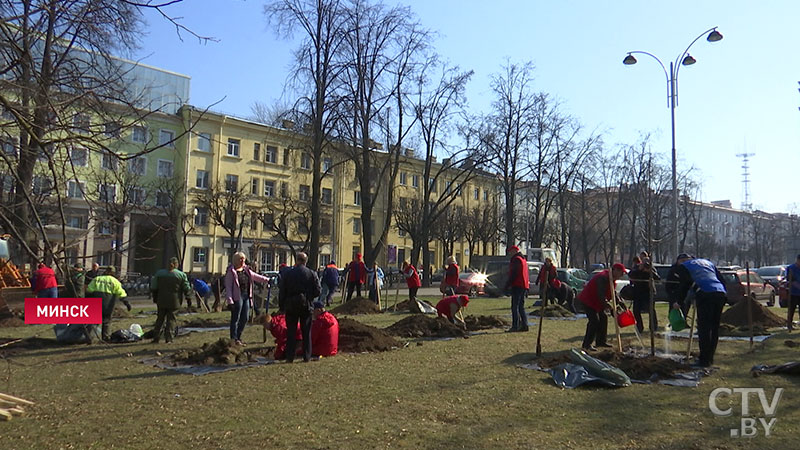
<point x="574" y="278"/>
<point x="736" y="285"/>
<point x="471" y="283"/>
<point x="497" y="275"/>
<point x="772" y="274"/>
<point x="661" y="286"/>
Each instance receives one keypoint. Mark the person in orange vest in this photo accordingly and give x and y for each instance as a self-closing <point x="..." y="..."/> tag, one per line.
<point x="519" y="284"/>
<point x="324" y="332"/>
<point x="450" y="277"/>
<point x="594" y="296"/>
<point x="356" y="276"/>
<point x="449" y="306"/>
<point x="412" y="279"/>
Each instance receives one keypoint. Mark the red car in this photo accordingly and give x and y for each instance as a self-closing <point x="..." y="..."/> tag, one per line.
<point x="736" y="285"/>
<point x="471" y="283"/>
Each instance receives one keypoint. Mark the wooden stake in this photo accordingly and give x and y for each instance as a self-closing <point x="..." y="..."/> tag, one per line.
<point x="614" y="306"/>
<point x="375" y="283"/>
<point x="651" y="302"/>
<point x="17" y="400"/>
<point x="541" y="321"/>
<point x="5" y="414"/>
<point x="749" y="304"/>
<point x="789" y="302"/>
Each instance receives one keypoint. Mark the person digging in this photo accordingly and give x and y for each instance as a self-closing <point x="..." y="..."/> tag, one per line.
<point x="595" y="296"/>
<point x="448" y="307"/>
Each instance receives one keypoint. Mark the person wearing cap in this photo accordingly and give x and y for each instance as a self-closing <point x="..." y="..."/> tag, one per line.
<point x="75" y="285"/>
<point x="450" y="281"/>
<point x="519" y="284"/>
<point x="168" y="286"/>
<point x="44" y="282"/>
<point x="356" y="276"/>
<point x="793" y="278"/>
<point x="324" y="332"/>
<point x="108" y="288"/>
<point x="701" y="277"/>
<point x="412" y="280"/>
<point x="595" y="296"/>
<point x="329" y="281"/>
<point x="449" y="306"/>
<point x="299" y="289"/>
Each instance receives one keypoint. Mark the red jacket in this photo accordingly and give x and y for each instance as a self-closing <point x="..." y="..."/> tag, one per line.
<point x="551" y="275"/>
<point x="451" y="275"/>
<point x="278" y="331"/>
<point x="325" y="335"/>
<point x="444" y="309"/>
<point x="518" y="272"/>
<point x="44" y="278"/>
<point x="590" y="295"/>
<point x="357" y="272"/>
<point x="412" y="277"/>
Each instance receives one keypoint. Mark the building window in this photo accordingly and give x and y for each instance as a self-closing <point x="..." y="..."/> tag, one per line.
<point x="8" y="147"/>
<point x="271" y="154"/>
<point x="81" y="123"/>
<point x="327" y="196"/>
<point x="305" y="192"/>
<point x="356" y="225"/>
<point x="269" y="188"/>
<point x="256" y="151"/>
<point x="163" y="199"/>
<point x="104" y="228"/>
<point x="164" y="168"/>
<point x="204" y="142"/>
<point x="136" y="195"/>
<point x="109" y="162"/>
<point x="402" y="178"/>
<point x="357" y="198"/>
<point x="401" y="233"/>
<point x="200" y="216"/>
<point x="233" y="147"/>
<point x="104" y="259"/>
<point x="76" y="222"/>
<point x="199" y="255"/>
<point x="112" y="129"/>
<point x="75" y="189"/>
<point x="305" y="161"/>
<point x="254" y="221"/>
<point x="284" y="189"/>
<point x="268" y="220"/>
<point x="79" y="156"/>
<point x="477" y="193"/>
<point x="108" y="192"/>
<point x="231" y="183"/>
<point x="432" y="184"/>
<point x="167" y="138"/>
<point x="415" y="181"/>
<point x="42" y="185"/>
<point x="356" y="250"/>
<point x="139" y="134"/>
<point x="138" y="166"/>
<point x="485" y="195"/>
<point x="286" y="157"/>
<point x="266" y="260"/>
<point x="327" y="165"/>
<point x="254" y="187"/>
<point x="202" y="179"/>
<point x="325" y="226"/>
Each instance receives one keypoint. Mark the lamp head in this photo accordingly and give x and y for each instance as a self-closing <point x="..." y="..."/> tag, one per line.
<point x="629" y="60"/>
<point x="714" y="36"/>
<point x="688" y="61"/>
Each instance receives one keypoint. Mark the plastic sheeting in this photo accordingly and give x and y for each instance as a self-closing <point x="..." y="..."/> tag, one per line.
<point x="787" y="368"/>
<point x="164" y="363"/>
<point x="684" y="334"/>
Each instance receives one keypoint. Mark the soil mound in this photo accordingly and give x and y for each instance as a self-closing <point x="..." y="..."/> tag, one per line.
<point x="222" y="352"/>
<point x="475" y="323"/>
<point x="356" y="337"/>
<point x="204" y="323"/>
<point x="736" y="315"/>
<point x="730" y="330"/>
<point x="405" y="305"/>
<point x="120" y="312"/>
<point x="358" y="305"/>
<point x="553" y="311"/>
<point x="638" y="368"/>
<point x="11" y="322"/>
<point x="423" y="326"/>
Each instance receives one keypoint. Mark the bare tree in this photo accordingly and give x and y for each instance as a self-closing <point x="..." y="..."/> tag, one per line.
<point x="227" y="207"/>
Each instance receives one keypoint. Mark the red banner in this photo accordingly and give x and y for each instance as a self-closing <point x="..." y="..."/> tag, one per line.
<point x="63" y="310"/>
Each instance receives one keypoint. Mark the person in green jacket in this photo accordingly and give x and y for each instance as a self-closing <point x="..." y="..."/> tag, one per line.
<point x="167" y="286"/>
<point x="109" y="289"/>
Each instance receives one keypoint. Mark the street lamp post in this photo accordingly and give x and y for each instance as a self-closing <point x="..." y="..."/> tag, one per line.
<point x="672" y="98"/>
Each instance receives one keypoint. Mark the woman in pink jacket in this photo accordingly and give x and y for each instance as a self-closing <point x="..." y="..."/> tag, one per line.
<point x="239" y="281"/>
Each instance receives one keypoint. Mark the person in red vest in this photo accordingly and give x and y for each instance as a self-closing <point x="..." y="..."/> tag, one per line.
<point x="449" y="306"/>
<point x="44" y="282"/>
<point x="450" y="282"/>
<point x="519" y="284"/>
<point x="548" y="278"/>
<point x="594" y="296"/>
<point x="276" y="324"/>
<point x="356" y="276"/>
<point x="324" y="332"/>
<point x="412" y="280"/>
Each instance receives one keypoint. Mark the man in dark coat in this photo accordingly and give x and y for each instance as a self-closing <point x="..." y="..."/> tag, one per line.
<point x="299" y="288"/>
<point x="167" y="286"/>
<point x="640" y="276"/>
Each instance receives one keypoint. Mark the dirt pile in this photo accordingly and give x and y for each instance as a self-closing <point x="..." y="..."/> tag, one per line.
<point x="356" y="337"/>
<point x="424" y="326"/>
<point x="11" y="320"/>
<point x="736" y="315"/>
<point x="553" y="311"/>
<point x="204" y="323"/>
<point x="120" y="312"/>
<point x="730" y="330"/>
<point x="358" y="305"/>
<point x="638" y="368"/>
<point x="405" y="305"/>
<point x="222" y="352"/>
<point x="791" y="344"/>
<point x="475" y="323"/>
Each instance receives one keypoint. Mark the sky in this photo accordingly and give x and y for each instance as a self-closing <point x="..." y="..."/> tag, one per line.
<point x="740" y="97"/>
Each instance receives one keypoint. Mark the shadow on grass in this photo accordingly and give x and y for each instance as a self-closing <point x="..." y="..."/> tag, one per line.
<point x="143" y="376"/>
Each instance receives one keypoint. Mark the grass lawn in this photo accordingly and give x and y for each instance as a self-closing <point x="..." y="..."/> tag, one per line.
<point x="463" y="393"/>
